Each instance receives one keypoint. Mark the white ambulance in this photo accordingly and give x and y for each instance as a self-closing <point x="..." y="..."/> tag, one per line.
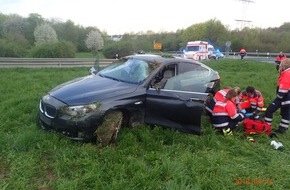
<point x="196" y="50"/>
<point x="210" y="49"/>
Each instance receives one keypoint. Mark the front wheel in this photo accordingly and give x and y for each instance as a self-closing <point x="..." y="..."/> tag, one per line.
<point x="107" y="132"/>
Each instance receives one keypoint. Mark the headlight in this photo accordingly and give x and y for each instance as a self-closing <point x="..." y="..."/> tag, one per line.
<point x="80" y="111"/>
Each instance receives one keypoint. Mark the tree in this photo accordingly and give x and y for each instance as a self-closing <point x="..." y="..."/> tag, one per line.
<point x="194" y="32"/>
<point x="44" y="34"/>
<point x="14" y="24"/>
<point x="31" y="23"/>
<point x="3" y="19"/>
<point x="94" y="41"/>
<point x="66" y="31"/>
<point x="216" y="33"/>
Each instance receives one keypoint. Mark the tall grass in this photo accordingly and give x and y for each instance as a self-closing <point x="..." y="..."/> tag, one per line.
<point x="144" y="157"/>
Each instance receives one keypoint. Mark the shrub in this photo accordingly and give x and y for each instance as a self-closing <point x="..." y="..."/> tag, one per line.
<point x="12" y="49"/>
<point x="61" y="49"/>
<point x="120" y="48"/>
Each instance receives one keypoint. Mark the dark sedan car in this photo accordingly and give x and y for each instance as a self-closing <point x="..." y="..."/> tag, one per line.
<point x="137" y="89"/>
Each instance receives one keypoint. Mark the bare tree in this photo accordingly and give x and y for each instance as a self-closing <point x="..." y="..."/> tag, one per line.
<point x="94" y="41"/>
<point x="44" y="34"/>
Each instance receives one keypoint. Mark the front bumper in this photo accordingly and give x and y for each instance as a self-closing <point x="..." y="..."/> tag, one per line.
<point x="75" y="128"/>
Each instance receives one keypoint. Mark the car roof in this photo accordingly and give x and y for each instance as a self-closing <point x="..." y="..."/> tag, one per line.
<point x="159" y="58"/>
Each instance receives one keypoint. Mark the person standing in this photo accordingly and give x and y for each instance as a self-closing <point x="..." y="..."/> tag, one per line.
<point x="280" y="58"/>
<point x="282" y="99"/>
<point x="225" y="115"/>
<point x="243" y="53"/>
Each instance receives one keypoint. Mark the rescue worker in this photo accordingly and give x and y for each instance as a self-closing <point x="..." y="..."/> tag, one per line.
<point x="220" y="96"/>
<point x="243" y="53"/>
<point x="282" y="99"/>
<point x="225" y="116"/>
<point x="251" y="100"/>
<point x="280" y="58"/>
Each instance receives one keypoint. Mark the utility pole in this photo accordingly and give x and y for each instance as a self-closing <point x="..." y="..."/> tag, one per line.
<point x="243" y="21"/>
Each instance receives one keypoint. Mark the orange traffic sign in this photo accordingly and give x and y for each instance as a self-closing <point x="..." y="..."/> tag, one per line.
<point x="158" y="46"/>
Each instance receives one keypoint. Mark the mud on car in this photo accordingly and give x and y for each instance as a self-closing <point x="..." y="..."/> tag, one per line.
<point x="137" y="89"/>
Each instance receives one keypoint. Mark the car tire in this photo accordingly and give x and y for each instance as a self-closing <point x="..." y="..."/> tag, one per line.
<point x="107" y="132"/>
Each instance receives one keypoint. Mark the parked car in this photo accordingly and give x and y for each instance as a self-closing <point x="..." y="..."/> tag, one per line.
<point x="216" y="55"/>
<point x="136" y="89"/>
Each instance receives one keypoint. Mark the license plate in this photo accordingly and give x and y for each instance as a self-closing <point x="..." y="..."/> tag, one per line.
<point x="45" y="119"/>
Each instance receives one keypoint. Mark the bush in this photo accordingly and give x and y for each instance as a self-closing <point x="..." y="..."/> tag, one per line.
<point x="120" y="48"/>
<point x="61" y="49"/>
<point x="12" y="49"/>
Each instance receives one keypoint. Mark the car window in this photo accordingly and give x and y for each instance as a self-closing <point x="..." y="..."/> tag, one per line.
<point x="131" y="71"/>
<point x="191" y="77"/>
<point x="163" y="76"/>
<point x="192" y="48"/>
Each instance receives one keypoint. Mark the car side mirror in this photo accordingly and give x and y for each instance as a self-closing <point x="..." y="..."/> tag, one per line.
<point x="93" y="71"/>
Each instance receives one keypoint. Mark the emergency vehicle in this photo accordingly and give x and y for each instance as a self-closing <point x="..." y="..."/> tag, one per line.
<point x="196" y="50"/>
<point x="210" y="49"/>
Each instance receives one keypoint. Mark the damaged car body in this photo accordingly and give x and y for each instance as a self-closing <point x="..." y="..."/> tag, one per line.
<point x="137" y="89"/>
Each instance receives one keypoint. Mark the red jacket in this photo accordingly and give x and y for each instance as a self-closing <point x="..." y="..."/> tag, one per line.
<point x="223" y="112"/>
<point x="280" y="57"/>
<point x="256" y="101"/>
<point x="284" y="87"/>
<point x="243" y="51"/>
<point x="226" y="108"/>
<point x="221" y="95"/>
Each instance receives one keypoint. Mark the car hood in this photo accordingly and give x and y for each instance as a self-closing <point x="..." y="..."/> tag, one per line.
<point x="89" y="89"/>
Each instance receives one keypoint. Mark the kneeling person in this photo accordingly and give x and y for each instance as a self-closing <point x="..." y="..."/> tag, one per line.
<point x="251" y="100"/>
<point x="225" y="116"/>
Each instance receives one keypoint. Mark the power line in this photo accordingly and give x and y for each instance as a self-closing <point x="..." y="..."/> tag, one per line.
<point x="243" y="20"/>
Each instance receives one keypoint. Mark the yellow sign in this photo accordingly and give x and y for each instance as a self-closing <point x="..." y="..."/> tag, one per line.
<point x="158" y="46"/>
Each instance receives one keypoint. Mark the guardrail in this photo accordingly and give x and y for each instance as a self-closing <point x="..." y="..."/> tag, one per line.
<point x="51" y="62"/>
<point x="89" y="62"/>
<point x="260" y="54"/>
<point x="254" y="56"/>
<point x="232" y="53"/>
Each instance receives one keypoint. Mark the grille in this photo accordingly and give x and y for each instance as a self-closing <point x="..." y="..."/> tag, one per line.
<point x="49" y="110"/>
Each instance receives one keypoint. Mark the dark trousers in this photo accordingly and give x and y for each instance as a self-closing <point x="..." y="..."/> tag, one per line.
<point x="284" y="112"/>
<point x="242" y="55"/>
<point x="221" y="119"/>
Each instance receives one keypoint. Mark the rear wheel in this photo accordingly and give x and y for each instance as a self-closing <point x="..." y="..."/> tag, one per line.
<point x="108" y="131"/>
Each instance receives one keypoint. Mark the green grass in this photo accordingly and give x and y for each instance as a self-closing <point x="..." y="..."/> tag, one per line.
<point x="144" y="157"/>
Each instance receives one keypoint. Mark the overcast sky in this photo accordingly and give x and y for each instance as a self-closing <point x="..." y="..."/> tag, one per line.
<point x="125" y="16"/>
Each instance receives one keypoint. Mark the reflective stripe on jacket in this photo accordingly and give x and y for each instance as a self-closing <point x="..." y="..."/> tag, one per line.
<point x="256" y="101"/>
<point x="284" y="87"/>
<point x="221" y="95"/>
<point x="223" y="112"/>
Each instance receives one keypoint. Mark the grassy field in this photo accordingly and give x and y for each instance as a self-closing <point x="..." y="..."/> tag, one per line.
<point x="144" y="157"/>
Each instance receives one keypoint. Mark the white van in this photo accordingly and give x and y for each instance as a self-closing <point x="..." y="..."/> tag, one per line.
<point x="210" y="49"/>
<point x="196" y="50"/>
